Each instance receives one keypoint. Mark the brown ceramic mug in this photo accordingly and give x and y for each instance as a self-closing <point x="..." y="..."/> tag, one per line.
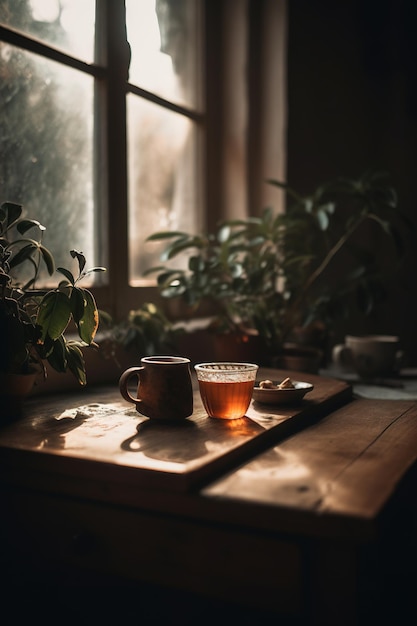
<point x="164" y="390"/>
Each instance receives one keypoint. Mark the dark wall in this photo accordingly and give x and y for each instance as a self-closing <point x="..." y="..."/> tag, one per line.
<point x="352" y="107"/>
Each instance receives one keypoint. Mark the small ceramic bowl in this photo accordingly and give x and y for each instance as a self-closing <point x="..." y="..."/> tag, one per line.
<point x="289" y="395"/>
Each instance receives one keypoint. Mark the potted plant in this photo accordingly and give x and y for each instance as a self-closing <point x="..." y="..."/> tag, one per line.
<point x="282" y="272"/>
<point x="33" y="322"/>
<point x="146" y="331"/>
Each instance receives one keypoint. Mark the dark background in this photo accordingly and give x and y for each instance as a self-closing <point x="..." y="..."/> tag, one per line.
<point x="352" y="107"/>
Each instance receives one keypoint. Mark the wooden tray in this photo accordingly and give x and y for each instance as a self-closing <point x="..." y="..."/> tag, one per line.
<point x="97" y="436"/>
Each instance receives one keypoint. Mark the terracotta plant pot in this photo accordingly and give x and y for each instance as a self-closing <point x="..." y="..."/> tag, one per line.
<point x="313" y="336"/>
<point x="299" y="359"/>
<point x="243" y="347"/>
<point x="14" y="388"/>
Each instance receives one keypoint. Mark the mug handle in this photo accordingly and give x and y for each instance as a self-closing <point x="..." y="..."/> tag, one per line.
<point x="342" y="355"/>
<point x="124" y="380"/>
<point x="399" y="360"/>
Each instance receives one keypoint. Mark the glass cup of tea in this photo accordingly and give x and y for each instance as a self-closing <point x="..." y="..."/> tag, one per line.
<point x="226" y="388"/>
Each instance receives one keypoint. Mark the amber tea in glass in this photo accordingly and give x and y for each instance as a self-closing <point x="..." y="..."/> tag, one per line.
<point x="226" y="388"/>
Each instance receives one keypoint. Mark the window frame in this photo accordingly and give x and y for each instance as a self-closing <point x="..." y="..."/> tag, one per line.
<point x="244" y="114"/>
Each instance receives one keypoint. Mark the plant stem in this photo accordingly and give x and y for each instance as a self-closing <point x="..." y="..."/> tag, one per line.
<point x="289" y="324"/>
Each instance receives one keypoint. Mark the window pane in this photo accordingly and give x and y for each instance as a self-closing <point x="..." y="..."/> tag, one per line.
<point x="46" y="132"/>
<point x="163" y="36"/>
<point x="65" y="24"/>
<point x="163" y="177"/>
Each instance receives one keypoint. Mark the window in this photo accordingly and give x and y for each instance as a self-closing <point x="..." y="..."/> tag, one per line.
<point x="123" y="117"/>
<point x="46" y="121"/>
<point x="163" y="137"/>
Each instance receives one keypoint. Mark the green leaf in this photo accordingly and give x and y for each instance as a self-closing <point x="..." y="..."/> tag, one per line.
<point x="256" y="241"/>
<point x="10" y="213"/>
<point x="80" y="258"/>
<point x="48" y="259"/>
<point x="322" y="219"/>
<point x="76" y="362"/>
<point x="95" y="269"/>
<point x="249" y="221"/>
<point x="68" y="275"/>
<point x="152" y="270"/>
<point x="308" y="205"/>
<point x="236" y="270"/>
<point x="284" y="186"/>
<point x="24" y="225"/>
<point x="166" y="278"/>
<point x="4" y="279"/>
<point x="57" y="356"/>
<point x="54" y="314"/>
<point x="196" y="264"/>
<point x="77" y="304"/>
<point x="88" y="324"/>
<point x="179" y="246"/>
<point x="23" y="254"/>
<point x="174" y="288"/>
<point x="167" y="234"/>
<point x="224" y="233"/>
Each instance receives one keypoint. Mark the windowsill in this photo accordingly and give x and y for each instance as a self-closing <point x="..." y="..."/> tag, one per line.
<point x="104" y="368"/>
<point x="198" y="344"/>
<point x="101" y="368"/>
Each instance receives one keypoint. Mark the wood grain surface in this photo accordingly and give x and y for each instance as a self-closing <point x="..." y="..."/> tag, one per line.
<point x="343" y="469"/>
<point x="96" y="433"/>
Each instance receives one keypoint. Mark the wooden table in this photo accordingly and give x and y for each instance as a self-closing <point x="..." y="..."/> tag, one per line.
<point x="304" y="513"/>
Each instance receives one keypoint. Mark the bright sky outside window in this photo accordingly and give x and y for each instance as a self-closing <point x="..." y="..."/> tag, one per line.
<point x="164" y="35"/>
<point x="162" y="144"/>
<point x="76" y="19"/>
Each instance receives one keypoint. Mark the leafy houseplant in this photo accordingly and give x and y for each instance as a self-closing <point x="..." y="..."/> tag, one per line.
<point x="146" y="331"/>
<point x="33" y="323"/>
<point x="282" y="271"/>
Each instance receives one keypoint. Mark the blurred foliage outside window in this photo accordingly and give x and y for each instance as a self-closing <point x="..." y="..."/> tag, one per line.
<point x="46" y="130"/>
<point x="48" y="158"/>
